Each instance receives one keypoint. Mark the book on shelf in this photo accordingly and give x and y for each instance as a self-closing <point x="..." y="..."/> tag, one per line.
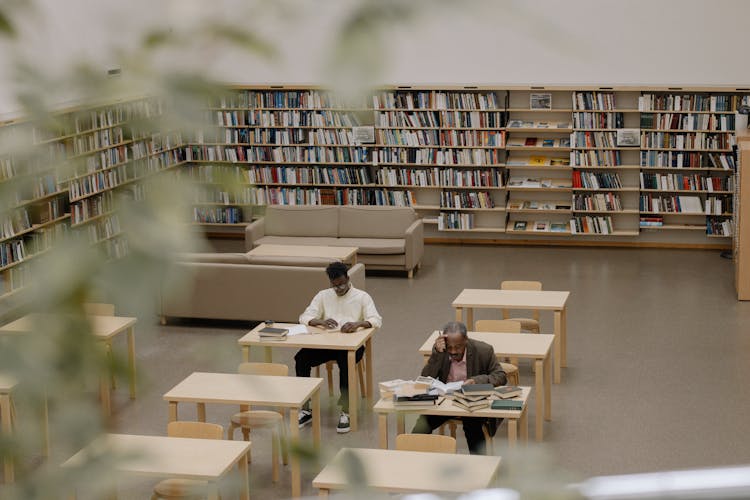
<point x="523" y="182"/>
<point x="531" y="205"/>
<point x="558" y="227"/>
<point x="560" y="161"/>
<point x="477" y="389"/>
<point x="519" y="225"/>
<point x="507" y="404"/>
<point x="530" y="141"/>
<point x="508" y="391"/>
<point x="548" y="143"/>
<point x="515" y="205"/>
<point x="538" y="160"/>
<point x="541" y="125"/>
<point x="563" y="125"/>
<point x="541" y="225"/>
<point x="516" y="141"/>
<point x="516" y="124"/>
<point x="562" y="206"/>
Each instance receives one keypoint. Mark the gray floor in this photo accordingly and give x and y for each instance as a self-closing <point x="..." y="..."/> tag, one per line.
<point x="658" y="352"/>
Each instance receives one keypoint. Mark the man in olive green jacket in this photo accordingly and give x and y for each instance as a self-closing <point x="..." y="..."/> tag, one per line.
<point x="455" y="357"/>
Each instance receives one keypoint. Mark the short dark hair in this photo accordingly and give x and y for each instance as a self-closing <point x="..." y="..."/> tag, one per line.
<point x="455" y="327"/>
<point x="336" y="270"/>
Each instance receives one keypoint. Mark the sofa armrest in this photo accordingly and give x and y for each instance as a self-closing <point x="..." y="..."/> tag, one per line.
<point x="357" y="275"/>
<point x="414" y="244"/>
<point x="253" y="232"/>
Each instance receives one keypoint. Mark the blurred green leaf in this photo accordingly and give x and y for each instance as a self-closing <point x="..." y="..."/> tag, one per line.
<point x="6" y="27"/>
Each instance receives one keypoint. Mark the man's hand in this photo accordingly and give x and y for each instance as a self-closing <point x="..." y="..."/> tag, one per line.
<point x="352" y="326"/>
<point x="440" y="343"/>
<point x="469" y="381"/>
<point x="328" y="324"/>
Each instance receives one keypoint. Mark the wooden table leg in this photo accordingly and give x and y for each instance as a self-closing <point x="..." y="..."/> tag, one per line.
<point x="322" y="493"/>
<point x="558" y="347"/>
<point x="45" y="426"/>
<point x="294" y="458"/>
<point x="7" y="429"/>
<point x="512" y="431"/>
<point x="547" y="388"/>
<point x="539" y="398"/>
<point x="268" y="355"/>
<point x="368" y="370"/>
<point x="213" y="492"/>
<point x="383" y="430"/>
<point x="315" y="400"/>
<point x="173" y="411"/>
<point x="131" y="361"/>
<point x="201" y="411"/>
<point x="564" y="335"/>
<point x="244" y="478"/>
<point x="524" y="423"/>
<point x="400" y="423"/>
<point x="105" y="396"/>
<point x="245" y="353"/>
<point x="351" y="360"/>
<point x="459" y="314"/>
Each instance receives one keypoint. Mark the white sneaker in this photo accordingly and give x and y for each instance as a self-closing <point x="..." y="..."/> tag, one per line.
<point x="343" y="426"/>
<point x="304" y="417"/>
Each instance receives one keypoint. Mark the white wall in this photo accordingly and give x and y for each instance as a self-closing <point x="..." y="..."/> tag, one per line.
<point x="660" y="42"/>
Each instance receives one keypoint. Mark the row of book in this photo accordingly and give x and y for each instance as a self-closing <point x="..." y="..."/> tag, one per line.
<point x="448" y="177"/>
<point x="156" y="143"/>
<point x="312" y="118"/>
<point x="583" y="119"/>
<point x="218" y="215"/>
<point x="7" y="169"/>
<point x="115" y="248"/>
<point x="304" y="99"/>
<point x="307" y="175"/>
<point x="686" y="182"/>
<point x="14" y="222"/>
<point x="466" y="199"/>
<point x="591" y="225"/>
<point x="686" y="140"/>
<point x="434" y="156"/>
<point x="91" y="207"/>
<point x="594" y="158"/>
<point x="688" y="102"/>
<point x="536" y="161"/>
<point x="95" y="183"/>
<point x="596" y="180"/>
<point x="104" y="228"/>
<point x="682" y="121"/>
<point x="651" y="221"/>
<point x="12" y="251"/>
<point x="713" y="205"/>
<point x="455" y="220"/>
<point x="534" y="142"/>
<point x="435" y="100"/>
<point x="237" y="197"/>
<point x="108" y="158"/>
<point x="600" y="101"/>
<point x="686" y="159"/>
<point x="540" y="226"/>
<point x="537" y="205"/>
<point x="538" y="124"/>
<point x="318" y="196"/>
<point x="296" y="154"/>
<point x="717" y="227"/>
<point x="443" y="138"/>
<point x="533" y="182"/>
<point x="593" y="140"/>
<point x="100" y="139"/>
<point x="609" y="202"/>
<point x="14" y="278"/>
<point x="441" y="119"/>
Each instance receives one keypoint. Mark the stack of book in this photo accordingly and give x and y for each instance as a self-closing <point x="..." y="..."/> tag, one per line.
<point x="475" y="397"/>
<point x="270" y="333"/>
<point x="418" y="400"/>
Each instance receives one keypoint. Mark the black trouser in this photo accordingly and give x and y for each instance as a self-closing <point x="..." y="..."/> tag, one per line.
<point x="472" y="430"/>
<point x="306" y="359"/>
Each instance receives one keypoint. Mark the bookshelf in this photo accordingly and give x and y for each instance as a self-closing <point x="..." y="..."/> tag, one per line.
<point x="687" y="163"/>
<point x="538" y="163"/>
<point x="742" y="212"/>
<point x="62" y="177"/>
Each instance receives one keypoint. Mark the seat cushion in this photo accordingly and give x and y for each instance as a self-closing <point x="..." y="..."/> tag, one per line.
<point x="302" y="221"/>
<point x="378" y="246"/>
<point x="296" y="240"/>
<point x="181" y="488"/>
<point x="214" y="258"/>
<point x="375" y="222"/>
<point x="262" y="260"/>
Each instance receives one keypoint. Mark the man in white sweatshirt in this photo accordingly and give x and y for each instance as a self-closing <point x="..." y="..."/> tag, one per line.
<point x="340" y="307"/>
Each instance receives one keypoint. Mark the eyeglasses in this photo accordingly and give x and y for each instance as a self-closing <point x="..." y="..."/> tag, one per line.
<point x="342" y="287"/>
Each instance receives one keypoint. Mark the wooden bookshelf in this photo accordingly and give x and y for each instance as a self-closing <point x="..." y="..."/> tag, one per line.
<point x="741" y="244"/>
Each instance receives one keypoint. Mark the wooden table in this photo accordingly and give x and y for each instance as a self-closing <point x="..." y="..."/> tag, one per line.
<point x="6" y="414"/>
<point x="515" y="418"/>
<point x="105" y="329"/>
<point x="533" y="346"/>
<point x="410" y="471"/>
<point x="184" y="458"/>
<point x="245" y="390"/>
<point x="471" y="298"/>
<point x="349" y="342"/>
<point x="344" y="254"/>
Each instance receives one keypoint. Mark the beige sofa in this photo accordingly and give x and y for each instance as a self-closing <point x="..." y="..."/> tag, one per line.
<point x="237" y="286"/>
<point x="390" y="238"/>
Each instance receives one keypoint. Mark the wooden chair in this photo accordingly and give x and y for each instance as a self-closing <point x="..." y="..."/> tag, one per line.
<point x="502" y="326"/>
<point x="248" y="419"/>
<point x="530" y="325"/>
<point x="426" y="442"/>
<point x="187" y="488"/>
<point x="329" y="372"/>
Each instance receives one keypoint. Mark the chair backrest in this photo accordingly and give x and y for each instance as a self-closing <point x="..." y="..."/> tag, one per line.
<point x="99" y="309"/>
<point x="199" y="430"/>
<point x="497" y="325"/>
<point x="275" y="369"/>
<point x="511" y="373"/>
<point x="426" y="442"/>
<point x="520" y="285"/>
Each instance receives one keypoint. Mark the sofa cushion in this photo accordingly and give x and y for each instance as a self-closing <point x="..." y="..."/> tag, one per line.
<point x="290" y="261"/>
<point x="375" y="222"/>
<point x="383" y="246"/>
<point x="295" y="240"/>
<point x="302" y="221"/>
<point x="214" y="258"/>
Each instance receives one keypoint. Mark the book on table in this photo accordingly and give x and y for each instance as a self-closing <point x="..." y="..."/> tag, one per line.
<point x="477" y="389"/>
<point x="271" y="333"/>
<point x="507" y="404"/>
<point x="471" y="405"/>
<point x="423" y="399"/>
<point x="508" y="391"/>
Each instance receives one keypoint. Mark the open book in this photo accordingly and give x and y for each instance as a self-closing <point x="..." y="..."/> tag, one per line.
<point x="439" y="387"/>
